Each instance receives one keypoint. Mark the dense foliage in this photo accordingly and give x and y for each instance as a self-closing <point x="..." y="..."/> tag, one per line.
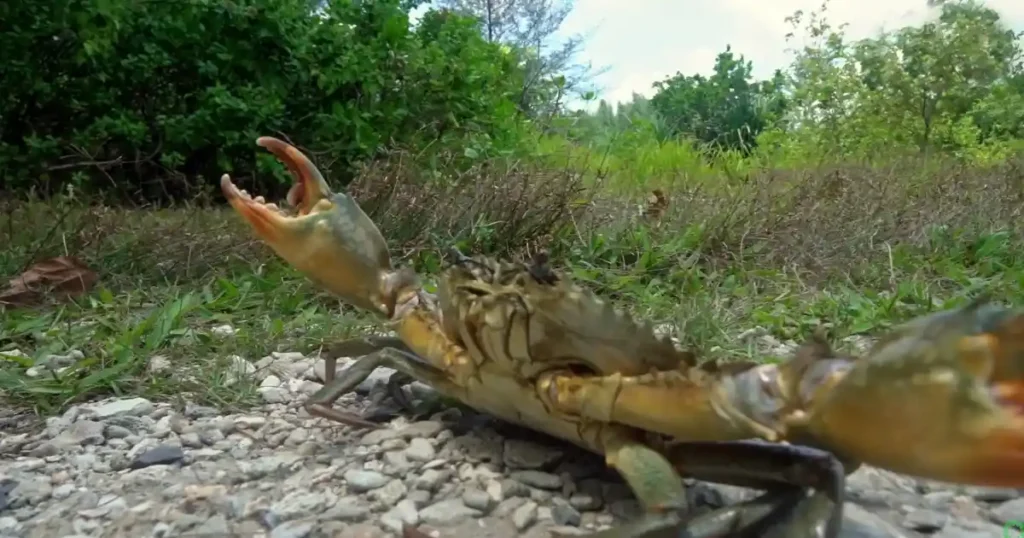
<point x="154" y="100"/>
<point x="157" y="97"/>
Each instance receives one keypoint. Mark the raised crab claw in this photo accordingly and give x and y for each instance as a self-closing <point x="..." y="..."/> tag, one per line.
<point x="940" y="397"/>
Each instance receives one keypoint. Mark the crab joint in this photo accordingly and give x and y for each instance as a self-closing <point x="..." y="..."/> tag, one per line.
<point x="588" y="397"/>
<point x="669" y="403"/>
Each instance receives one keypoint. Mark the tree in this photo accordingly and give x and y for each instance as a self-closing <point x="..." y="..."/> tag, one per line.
<point x="946" y="84"/>
<point x="727" y="109"/>
<point x="530" y="26"/>
<point x="936" y="73"/>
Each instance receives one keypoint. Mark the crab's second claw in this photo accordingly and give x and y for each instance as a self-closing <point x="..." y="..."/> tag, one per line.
<point x="330" y="240"/>
<point x="940" y="398"/>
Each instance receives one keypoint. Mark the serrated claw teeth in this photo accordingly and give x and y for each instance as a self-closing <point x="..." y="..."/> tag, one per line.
<point x="273" y="206"/>
<point x="260" y="200"/>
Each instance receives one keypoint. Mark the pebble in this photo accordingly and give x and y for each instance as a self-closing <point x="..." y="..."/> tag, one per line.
<point x="525" y="515"/>
<point x="447" y="512"/>
<point x="133" y="467"/>
<point x="478" y="500"/>
<point x="925" y="520"/>
<point x="362" y="481"/>
<point x="538" y="479"/>
<point x="420" y="450"/>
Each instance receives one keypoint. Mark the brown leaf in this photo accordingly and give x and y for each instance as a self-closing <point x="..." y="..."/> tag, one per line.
<point x="63" y="276"/>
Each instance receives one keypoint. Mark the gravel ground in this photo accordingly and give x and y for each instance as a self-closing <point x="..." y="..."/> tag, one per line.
<point x="134" y="468"/>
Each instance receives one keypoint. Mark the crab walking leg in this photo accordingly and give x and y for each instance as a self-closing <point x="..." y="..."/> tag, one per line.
<point x="778" y="468"/>
<point x="655" y="478"/>
<point x="786" y="471"/>
<point x="358" y="347"/>
<point x="649" y="474"/>
<point x="741" y="519"/>
<point x="320" y="403"/>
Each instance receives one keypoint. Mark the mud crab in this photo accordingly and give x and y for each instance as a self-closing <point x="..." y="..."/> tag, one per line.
<point x="940" y="397"/>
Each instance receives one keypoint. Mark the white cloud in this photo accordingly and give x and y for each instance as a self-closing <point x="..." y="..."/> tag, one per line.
<point x="643" y="41"/>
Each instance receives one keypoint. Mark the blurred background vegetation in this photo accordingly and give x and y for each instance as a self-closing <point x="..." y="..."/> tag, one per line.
<point x="867" y="182"/>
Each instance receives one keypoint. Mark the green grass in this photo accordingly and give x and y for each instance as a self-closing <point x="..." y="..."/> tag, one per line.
<point x="852" y="248"/>
<point x="120" y="332"/>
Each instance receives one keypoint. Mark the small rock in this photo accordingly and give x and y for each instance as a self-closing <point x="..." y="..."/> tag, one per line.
<point x="524" y="516"/>
<point x="859" y="523"/>
<point x="422" y="429"/>
<point x="190" y="440"/>
<point x="376" y="437"/>
<point x="431" y="479"/>
<point x="992" y="494"/>
<point x="81" y="433"/>
<point x="391" y="493"/>
<point x="9" y="526"/>
<point x="447" y="512"/>
<point x="362" y="481"/>
<point x="349" y="508"/>
<point x="272" y="390"/>
<point x="128" y="406"/>
<point x="478" y="500"/>
<point x="158" y="363"/>
<point x="292" y="529"/>
<point x="420" y="450"/>
<point x="974" y="529"/>
<point x="526" y="455"/>
<point x="223" y="330"/>
<point x="403" y="513"/>
<point x="538" y="479"/>
<point x="1012" y="510"/>
<point x="564" y="514"/>
<point x="925" y="520"/>
<point x="158" y="455"/>
<point x="216" y="525"/>
<point x="299" y="504"/>
<point x="585" y="502"/>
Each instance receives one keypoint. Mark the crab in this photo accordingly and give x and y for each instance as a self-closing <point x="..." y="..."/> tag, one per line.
<point x="939" y="397"/>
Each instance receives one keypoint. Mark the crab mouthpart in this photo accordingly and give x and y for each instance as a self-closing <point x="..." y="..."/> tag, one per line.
<point x="310" y="186"/>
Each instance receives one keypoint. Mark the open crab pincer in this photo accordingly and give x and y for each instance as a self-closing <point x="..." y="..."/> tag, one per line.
<point x="939" y="398"/>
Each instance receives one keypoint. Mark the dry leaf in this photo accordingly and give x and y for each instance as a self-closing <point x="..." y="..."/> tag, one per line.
<point x="63" y="276"/>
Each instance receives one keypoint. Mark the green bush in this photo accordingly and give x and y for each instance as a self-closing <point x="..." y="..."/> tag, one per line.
<point x="155" y="100"/>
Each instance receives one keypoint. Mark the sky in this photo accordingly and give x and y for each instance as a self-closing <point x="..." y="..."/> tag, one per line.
<point x="643" y="41"/>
